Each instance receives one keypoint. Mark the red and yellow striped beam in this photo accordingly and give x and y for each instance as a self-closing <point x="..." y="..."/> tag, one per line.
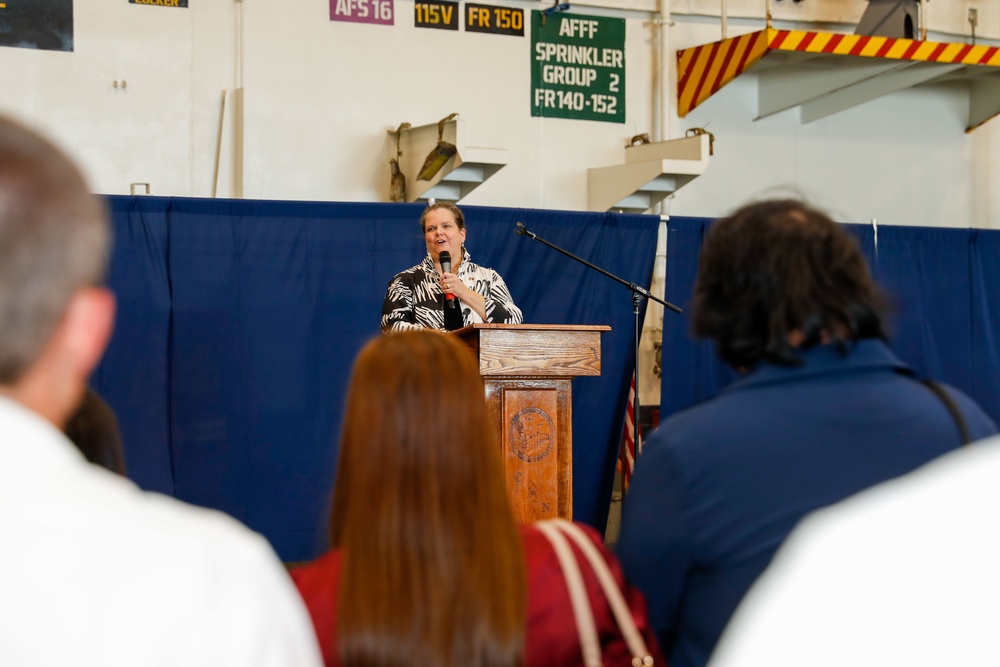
<point x="703" y="70"/>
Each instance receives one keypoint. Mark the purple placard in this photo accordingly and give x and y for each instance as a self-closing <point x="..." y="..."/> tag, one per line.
<point x="380" y="12"/>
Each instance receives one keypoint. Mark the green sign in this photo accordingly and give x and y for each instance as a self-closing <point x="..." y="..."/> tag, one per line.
<point x="578" y="67"/>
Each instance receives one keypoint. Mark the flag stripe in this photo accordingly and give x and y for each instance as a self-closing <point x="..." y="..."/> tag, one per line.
<point x="631" y="446"/>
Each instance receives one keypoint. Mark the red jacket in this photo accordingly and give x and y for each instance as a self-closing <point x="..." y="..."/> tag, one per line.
<point x="551" y="639"/>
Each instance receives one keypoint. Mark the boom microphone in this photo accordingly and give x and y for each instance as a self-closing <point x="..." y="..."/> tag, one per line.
<point x="445" y="259"/>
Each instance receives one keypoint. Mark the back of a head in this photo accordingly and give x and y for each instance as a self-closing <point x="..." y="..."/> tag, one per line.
<point x="93" y="428"/>
<point x="433" y="565"/>
<point x="53" y="241"/>
<point x="779" y="266"/>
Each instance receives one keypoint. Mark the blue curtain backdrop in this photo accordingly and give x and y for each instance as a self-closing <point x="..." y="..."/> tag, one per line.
<point x="239" y="321"/>
<point x="944" y="288"/>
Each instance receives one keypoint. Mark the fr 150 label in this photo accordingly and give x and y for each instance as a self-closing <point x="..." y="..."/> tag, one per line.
<point x="496" y="20"/>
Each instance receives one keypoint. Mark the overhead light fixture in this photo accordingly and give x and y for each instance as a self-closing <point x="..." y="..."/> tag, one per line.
<point x="440" y="154"/>
<point x="457" y="162"/>
<point x="397" y="182"/>
<point x="697" y="132"/>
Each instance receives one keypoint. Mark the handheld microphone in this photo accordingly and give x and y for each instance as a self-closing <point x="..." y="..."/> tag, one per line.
<point x="445" y="259"/>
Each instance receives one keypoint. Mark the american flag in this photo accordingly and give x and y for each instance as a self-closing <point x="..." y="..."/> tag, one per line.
<point x="631" y="440"/>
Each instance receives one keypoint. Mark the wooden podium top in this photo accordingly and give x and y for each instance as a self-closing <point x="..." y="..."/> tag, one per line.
<point x="535" y="349"/>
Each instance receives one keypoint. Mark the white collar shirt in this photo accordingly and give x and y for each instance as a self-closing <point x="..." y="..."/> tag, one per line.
<point x="94" y="571"/>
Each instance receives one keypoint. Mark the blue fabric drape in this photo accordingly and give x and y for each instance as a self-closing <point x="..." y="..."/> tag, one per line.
<point x="691" y="371"/>
<point x="133" y="376"/>
<point x="239" y="322"/>
<point x="984" y="298"/>
<point x="943" y="286"/>
<point x="926" y="273"/>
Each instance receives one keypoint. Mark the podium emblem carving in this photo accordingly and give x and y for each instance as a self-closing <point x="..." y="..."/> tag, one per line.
<point x="530" y="434"/>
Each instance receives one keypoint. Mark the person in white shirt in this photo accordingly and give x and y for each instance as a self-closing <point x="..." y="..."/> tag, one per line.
<point x="93" y="571"/>
<point x="905" y="573"/>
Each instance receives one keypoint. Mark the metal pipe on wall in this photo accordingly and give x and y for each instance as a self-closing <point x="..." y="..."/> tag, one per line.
<point x="652" y="326"/>
<point x="663" y="7"/>
<point x="238" y="108"/>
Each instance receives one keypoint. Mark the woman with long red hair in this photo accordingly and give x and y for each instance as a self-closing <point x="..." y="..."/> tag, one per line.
<point x="428" y="565"/>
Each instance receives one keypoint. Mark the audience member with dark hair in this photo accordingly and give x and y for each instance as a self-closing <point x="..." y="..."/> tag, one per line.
<point x="822" y="410"/>
<point x="428" y="565"/>
<point x="93" y="570"/>
<point x="93" y="428"/>
<point x="777" y="278"/>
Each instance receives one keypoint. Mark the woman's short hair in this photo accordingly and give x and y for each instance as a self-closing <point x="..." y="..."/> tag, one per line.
<point x="448" y="206"/>
<point x="433" y="562"/>
<point x="779" y="266"/>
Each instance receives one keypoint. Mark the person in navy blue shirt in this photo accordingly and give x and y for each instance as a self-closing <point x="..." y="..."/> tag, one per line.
<point x="821" y="410"/>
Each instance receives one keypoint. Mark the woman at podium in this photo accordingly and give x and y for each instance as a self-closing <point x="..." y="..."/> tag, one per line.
<point x="446" y="291"/>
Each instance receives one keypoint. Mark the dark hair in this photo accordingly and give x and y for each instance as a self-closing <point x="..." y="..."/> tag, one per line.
<point x="448" y="206"/>
<point x="93" y="428"/>
<point x="779" y="266"/>
<point x="433" y="568"/>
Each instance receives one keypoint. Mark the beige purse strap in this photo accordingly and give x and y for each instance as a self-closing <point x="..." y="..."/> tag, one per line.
<point x="584" y="615"/>
<point x="556" y="530"/>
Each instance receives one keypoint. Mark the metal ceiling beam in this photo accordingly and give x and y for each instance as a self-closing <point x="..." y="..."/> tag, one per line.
<point x="785" y="88"/>
<point x="984" y="101"/>
<point x="873" y="88"/>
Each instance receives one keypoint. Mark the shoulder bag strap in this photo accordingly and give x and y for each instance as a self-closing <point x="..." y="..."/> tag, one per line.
<point x="953" y="410"/>
<point x="613" y="594"/>
<point x="582" y="612"/>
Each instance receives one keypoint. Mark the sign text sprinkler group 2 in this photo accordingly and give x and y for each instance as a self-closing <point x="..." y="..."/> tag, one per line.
<point x="578" y="67"/>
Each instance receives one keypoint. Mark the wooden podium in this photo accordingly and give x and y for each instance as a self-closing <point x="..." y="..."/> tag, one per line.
<point x="528" y="369"/>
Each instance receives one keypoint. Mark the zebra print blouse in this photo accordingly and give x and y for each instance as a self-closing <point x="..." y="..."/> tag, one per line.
<point x="414" y="299"/>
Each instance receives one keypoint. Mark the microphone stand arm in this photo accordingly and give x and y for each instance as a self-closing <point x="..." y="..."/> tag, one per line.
<point x="638" y="294"/>
<point x="637" y="290"/>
